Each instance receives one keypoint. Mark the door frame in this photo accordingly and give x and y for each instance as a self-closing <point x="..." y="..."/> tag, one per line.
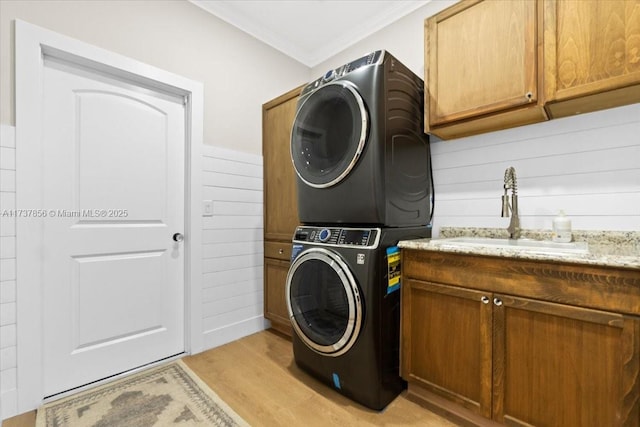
<point x="32" y="44"/>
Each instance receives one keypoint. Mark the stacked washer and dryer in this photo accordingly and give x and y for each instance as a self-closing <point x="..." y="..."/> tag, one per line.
<point x="364" y="183"/>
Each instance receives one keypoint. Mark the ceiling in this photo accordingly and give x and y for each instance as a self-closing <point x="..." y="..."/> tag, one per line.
<point x="310" y="31"/>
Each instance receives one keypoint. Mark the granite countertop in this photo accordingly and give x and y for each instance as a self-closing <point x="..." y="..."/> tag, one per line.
<point x="606" y="248"/>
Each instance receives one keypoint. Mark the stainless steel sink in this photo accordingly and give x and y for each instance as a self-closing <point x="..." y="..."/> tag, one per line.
<point x="523" y="245"/>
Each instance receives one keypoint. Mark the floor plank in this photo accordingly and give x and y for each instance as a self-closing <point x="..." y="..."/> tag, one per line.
<point x="258" y="378"/>
<point x="28" y="419"/>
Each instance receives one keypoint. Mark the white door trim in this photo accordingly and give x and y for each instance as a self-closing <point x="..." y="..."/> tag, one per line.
<point x="32" y="44"/>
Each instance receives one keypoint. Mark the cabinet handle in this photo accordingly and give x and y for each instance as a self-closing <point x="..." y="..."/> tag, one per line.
<point x="485" y="300"/>
<point x="497" y="301"/>
<point x="529" y="96"/>
<point x="280" y="251"/>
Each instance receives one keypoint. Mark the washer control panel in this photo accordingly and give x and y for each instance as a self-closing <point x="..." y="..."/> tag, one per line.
<point x="337" y="236"/>
<point x="324" y="235"/>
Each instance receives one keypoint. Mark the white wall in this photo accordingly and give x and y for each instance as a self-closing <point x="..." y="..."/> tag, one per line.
<point x="232" y="252"/>
<point x="587" y="165"/>
<point x="403" y="39"/>
<point x="239" y="72"/>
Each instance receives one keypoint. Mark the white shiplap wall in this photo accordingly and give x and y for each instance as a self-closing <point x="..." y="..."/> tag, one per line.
<point x="586" y="165"/>
<point x="8" y="338"/>
<point x="232" y="240"/>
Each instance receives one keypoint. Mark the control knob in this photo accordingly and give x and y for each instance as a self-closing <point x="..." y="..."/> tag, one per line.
<point x="324" y="235"/>
<point x="329" y="75"/>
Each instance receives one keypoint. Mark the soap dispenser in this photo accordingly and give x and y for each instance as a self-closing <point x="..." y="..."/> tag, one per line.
<point x="561" y="228"/>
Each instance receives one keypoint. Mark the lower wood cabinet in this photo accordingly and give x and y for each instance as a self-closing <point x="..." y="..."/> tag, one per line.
<point x="276" y="267"/>
<point x="488" y="355"/>
<point x="446" y="345"/>
<point x="562" y="365"/>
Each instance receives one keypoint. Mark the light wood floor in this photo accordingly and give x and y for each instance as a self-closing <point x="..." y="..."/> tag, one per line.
<point x="258" y="378"/>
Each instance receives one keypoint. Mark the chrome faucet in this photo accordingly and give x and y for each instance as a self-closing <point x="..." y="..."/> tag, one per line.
<point x="510" y="182"/>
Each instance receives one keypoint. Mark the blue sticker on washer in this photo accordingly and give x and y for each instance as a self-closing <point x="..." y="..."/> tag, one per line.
<point x="336" y="380"/>
<point x="393" y="268"/>
<point x="295" y="251"/>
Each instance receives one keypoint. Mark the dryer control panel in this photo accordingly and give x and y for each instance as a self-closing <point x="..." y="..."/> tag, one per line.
<point x="331" y="236"/>
<point x="373" y="58"/>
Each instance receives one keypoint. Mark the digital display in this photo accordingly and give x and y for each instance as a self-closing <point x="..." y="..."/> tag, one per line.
<point x="353" y="237"/>
<point x="365" y="60"/>
<point x="358" y="63"/>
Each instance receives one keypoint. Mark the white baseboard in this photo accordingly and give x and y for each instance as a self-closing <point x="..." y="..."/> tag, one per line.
<point x="217" y="337"/>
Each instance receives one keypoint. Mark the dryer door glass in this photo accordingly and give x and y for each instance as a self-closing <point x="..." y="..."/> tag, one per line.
<point x="328" y="135"/>
<point x="324" y="302"/>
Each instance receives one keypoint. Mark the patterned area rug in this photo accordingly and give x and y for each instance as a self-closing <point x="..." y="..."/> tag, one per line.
<point x="171" y="395"/>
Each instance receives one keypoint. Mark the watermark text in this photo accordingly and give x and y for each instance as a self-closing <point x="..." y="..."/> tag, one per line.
<point x="64" y="213"/>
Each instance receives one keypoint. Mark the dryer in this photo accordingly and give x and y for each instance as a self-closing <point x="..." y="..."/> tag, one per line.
<point x="343" y="299"/>
<point x="358" y="146"/>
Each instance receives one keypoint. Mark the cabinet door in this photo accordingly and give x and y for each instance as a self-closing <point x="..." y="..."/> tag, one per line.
<point x="592" y="54"/>
<point x="480" y="58"/>
<point x="557" y="365"/>
<point x="280" y="194"/>
<point x="275" y="303"/>
<point x="446" y="348"/>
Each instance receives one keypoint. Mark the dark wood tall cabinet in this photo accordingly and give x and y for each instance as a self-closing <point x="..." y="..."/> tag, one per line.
<point x="280" y="204"/>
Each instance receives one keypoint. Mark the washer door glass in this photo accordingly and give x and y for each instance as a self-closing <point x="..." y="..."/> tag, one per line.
<point x="328" y="135"/>
<point x="324" y="302"/>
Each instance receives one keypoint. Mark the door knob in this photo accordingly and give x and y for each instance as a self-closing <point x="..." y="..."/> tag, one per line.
<point x="178" y="237"/>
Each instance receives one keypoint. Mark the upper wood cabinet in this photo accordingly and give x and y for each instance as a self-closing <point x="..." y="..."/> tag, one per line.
<point x="481" y="68"/>
<point x="280" y="193"/>
<point x="492" y="65"/>
<point x="592" y="55"/>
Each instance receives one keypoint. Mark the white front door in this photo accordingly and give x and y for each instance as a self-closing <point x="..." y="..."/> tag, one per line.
<point x="113" y="188"/>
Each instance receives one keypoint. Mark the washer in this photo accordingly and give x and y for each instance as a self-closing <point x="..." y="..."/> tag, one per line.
<point x="344" y="303"/>
<point x="358" y="146"/>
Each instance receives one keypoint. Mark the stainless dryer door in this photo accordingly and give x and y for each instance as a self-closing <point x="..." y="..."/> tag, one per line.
<point x="324" y="302"/>
<point x="328" y="134"/>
